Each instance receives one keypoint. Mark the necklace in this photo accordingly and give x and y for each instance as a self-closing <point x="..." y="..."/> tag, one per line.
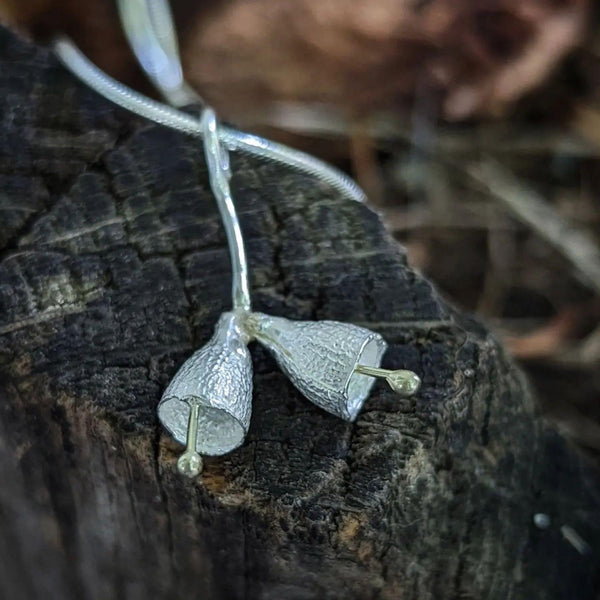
<point x="207" y="406"/>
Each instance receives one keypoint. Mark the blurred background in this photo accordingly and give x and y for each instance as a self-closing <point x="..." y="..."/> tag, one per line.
<point x="473" y="125"/>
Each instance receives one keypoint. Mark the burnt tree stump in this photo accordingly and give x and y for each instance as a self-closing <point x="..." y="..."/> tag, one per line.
<point x="114" y="268"/>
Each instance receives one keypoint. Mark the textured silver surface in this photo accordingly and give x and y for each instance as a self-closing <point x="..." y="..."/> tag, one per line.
<point x="219" y="377"/>
<point x="319" y="357"/>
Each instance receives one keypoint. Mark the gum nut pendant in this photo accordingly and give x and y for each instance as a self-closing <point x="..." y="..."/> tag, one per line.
<point x="207" y="405"/>
<point x="333" y="364"/>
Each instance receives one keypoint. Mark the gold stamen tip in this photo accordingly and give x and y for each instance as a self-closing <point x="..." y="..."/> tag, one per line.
<point x="190" y="464"/>
<point x="403" y="382"/>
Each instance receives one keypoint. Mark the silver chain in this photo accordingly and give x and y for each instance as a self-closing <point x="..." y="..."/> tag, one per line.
<point x="233" y="139"/>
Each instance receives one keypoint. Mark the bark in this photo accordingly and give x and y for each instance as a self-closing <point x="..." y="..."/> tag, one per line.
<point x="113" y="269"/>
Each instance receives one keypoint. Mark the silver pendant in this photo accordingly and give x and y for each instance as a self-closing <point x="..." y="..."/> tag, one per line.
<point x="320" y="358"/>
<point x="207" y="405"/>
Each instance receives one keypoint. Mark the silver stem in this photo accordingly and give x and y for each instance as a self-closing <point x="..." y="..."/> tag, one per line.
<point x="232" y="139"/>
<point x="149" y="27"/>
<point x="219" y="171"/>
<point x="150" y="30"/>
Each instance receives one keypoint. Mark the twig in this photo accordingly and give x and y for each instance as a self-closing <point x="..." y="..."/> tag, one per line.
<point x="363" y="153"/>
<point x="529" y="207"/>
<point x="501" y="251"/>
<point x="325" y="122"/>
<point x="402" y="219"/>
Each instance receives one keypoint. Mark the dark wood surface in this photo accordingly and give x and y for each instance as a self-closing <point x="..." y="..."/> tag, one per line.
<point x="113" y="269"/>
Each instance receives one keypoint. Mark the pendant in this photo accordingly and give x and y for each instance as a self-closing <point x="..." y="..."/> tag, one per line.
<point x="208" y="404"/>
